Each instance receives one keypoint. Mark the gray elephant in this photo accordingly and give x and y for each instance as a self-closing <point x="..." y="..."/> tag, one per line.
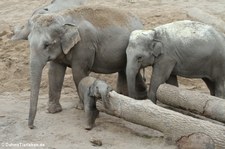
<point x="185" y="48"/>
<point x="90" y="90"/>
<point x="22" y="32"/>
<point x="86" y="39"/>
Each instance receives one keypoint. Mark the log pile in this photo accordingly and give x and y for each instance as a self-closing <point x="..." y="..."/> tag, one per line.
<point x="203" y="104"/>
<point x="180" y="129"/>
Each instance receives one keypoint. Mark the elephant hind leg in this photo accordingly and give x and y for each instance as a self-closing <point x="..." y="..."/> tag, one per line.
<point x="211" y="85"/>
<point x="216" y="88"/>
<point x="80" y="105"/>
<point x="172" y="80"/>
<point x="219" y="88"/>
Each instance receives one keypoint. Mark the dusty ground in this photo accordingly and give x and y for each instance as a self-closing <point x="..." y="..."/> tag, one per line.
<point x="65" y="129"/>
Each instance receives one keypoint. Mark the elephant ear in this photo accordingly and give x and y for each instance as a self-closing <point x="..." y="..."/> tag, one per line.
<point x="109" y="88"/>
<point x="91" y="91"/>
<point x="70" y="37"/>
<point x="157" y="48"/>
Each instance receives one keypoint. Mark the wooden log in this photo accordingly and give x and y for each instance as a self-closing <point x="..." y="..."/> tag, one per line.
<point x="207" y="18"/>
<point x="189" y="113"/>
<point x="204" y="104"/>
<point x="174" y="125"/>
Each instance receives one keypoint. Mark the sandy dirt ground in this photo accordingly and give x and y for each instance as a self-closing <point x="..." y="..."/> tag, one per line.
<point x="65" y="129"/>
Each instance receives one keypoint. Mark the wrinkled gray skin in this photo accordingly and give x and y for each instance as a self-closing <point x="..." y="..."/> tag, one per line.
<point x="21" y="33"/>
<point x="73" y="38"/>
<point x="185" y="48"/>
<point x="90" y="90"/>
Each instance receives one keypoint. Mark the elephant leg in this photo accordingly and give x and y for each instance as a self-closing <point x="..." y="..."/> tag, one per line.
<point x="161" y="72"/>
<point x="78" y="74"/>
<point x="219" y="88"/>
<point x="80" y="105"/>
<point x="91" y="112"/>
<point x="211" y="86"/>
<point x="140" y="87"/>
<point x="56" y="77"/>
<point x="172" y="80"/>
<point x="122" y="83"/>
<point x="82" y="63"/>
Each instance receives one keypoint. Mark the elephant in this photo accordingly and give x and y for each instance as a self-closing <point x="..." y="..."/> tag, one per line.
<point x="185" y="48"/>
<point x="22" y="32"/>
<point x="90" y="90"/>
<point x="86" y="39"/>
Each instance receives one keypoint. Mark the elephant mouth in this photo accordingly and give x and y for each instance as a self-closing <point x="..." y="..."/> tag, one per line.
<point x="49" y="58"/>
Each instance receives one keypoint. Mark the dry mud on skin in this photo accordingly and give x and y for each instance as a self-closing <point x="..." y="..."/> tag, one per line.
<point x="65" y="129"/>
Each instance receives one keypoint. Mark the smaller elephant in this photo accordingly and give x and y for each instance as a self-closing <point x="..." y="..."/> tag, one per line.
<point x="185" y="48"/>
<point x="90" y="90"/>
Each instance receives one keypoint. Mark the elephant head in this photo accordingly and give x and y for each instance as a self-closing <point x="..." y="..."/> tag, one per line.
<point x="49" y="39"/>
<point x="143" y="50"/>
<point x="99" y="89"/>
<point x="22" y="32"/>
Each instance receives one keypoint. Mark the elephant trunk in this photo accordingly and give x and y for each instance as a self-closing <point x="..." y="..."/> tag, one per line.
<point x="132" y="70"/>
<point x="105" y="100"/>
<point x="36" y="67"/>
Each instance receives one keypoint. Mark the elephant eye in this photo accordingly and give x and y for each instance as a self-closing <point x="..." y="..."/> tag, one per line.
<point x="153" y="45"/>
<point x="139" y="58"/>
<point x="46" y="45"/>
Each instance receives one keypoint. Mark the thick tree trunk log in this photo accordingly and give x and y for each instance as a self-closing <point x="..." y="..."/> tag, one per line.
<point x="205" y="17"/>
<point x="207" y="105"/>
<point x="174" y="125"/>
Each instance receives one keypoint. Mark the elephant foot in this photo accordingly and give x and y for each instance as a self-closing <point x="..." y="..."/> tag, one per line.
<point x="122" y="91"/>
<point x="31" y="126"/>
<point x="89" y="127"/>
<point x="153" y="100"/>
<point x="142" y="95"/>
<point x="54" y="108"/>
<point x="80" y="106"/>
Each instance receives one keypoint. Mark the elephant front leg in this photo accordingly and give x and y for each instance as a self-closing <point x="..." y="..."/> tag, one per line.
<point x="56" y="77"/>
<point x="161" y="73"/>
<point x="122" y="83"/>
<point x="141" y="87"/>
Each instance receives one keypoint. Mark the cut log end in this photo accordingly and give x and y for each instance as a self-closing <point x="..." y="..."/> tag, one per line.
<point x="196" y="141"/>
